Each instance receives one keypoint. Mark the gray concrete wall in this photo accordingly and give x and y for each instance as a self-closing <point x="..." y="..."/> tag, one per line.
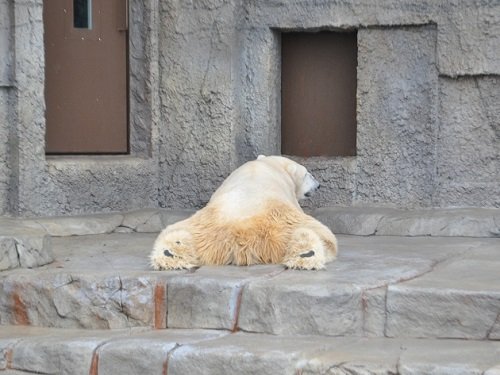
<point x="205" y="97"/>
<point x="6" y="93"/>
<point x="408" y="51"/>
<point x="70" y="185"/>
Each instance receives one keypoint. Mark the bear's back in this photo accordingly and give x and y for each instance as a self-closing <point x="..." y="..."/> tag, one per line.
<point x="249" y="189"/>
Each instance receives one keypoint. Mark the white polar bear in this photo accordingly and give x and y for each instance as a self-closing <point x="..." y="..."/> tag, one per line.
<point x="254" y="217"/>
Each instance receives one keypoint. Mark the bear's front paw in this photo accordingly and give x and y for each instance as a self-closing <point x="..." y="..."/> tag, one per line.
<point x="174" y="250"/>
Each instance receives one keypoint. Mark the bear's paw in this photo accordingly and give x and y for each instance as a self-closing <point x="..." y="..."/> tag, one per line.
<point x="174" y="250"/>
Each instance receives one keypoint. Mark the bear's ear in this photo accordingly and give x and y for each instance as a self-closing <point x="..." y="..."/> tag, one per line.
<point x="261" y="157"/>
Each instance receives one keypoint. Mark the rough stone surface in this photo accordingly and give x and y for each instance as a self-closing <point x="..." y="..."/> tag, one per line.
<point x="452" y="222"/>
<point x="460" y="299"/>
<point x="455" y="357"/>
<point x="209" y="299"/>
<point x="340" y="303"/>
<point x="374" y="310"/>
<point x="53" y="351"/>
<point x="242" y="354"/>
<point x="449" y="223"/>
<point x="467" y="38"/>
<point x="351" y="220"/>
<point x="493" y="371"/>
<point x="147" y="353"/>
<point x="405" y="129"/>
<point x="95" y="283"/>
<point x="379" y="286"/>
<point x="211" y="352"/>
<point x="377" y="357"/>
<point x="55" y="185"/>
<point x="147" y="220"/>
<point x="77" y="226"/>
<point x="22" y="246"/>
<point x="468" y="146"/>
<point x="205" y="97"/>
<point x="197" y="99"/>
<point x="8" y="254"/>
<point x="5" y="148"/>
<point x="6" y="49"/>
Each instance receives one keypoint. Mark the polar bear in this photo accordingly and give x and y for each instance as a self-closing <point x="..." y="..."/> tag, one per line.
<point x="254" y="217"/>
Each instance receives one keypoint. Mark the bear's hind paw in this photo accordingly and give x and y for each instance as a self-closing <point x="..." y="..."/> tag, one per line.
<point x="307" y="260"/>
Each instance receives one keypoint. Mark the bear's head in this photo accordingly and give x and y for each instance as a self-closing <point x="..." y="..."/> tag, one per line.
<point x="304" y="182"/>
<point x="174" y="249"/>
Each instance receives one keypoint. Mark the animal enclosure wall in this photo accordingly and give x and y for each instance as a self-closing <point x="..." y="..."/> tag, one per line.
<point x="205" y="89"/>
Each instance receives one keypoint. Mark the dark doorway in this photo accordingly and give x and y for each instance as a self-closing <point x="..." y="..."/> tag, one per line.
<point x="318" y="98"/>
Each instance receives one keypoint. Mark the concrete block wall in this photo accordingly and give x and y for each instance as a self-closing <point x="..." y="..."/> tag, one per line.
<point x="205" y="97"/>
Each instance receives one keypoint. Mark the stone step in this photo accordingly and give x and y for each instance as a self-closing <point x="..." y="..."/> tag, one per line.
<point x="23" y="246"/>
<point x="421" y="287"/>
<point x="30" y="350"/>
<point x="363" y="221"/>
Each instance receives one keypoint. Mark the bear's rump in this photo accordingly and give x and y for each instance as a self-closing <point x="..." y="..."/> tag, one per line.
<point x="261" y="238"/>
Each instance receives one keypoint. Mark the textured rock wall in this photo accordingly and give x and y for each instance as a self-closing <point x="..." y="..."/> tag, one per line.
<point x="468" y="142"/>
<point x="205" y="97"/>
<point x="396" y="116"/>
<point x="55" y="185"/>
<point x="5" y="165"/>
<point x="197" y="56"/>
<point x="5" y="103"/>
<point x="407" y="52"/>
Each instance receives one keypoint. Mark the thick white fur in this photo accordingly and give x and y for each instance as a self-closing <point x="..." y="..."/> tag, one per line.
<point x="253" y="217"/>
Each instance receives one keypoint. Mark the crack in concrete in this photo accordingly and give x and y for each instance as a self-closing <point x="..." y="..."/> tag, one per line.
<point x="16" y="244"/>
<point x="377" y="226"/>
<point x="169" y="355"/>
<point x="490" y="330"/>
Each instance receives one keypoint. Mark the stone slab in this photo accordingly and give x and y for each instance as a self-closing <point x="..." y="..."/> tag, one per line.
<point x="147" y="353"/>
<point x="348" y="220"/>
<point x="242" y="354"/>
<point x="22" y="246"/>
<point x="214" y="352"/>
<point x="460" y="299"/>
<point x="449" y="357"/>
<point x="77" y="225"/>
<point x="452" y="222"/>
<point x="53" y="351"/>
<point x="151" y="220"/>
<point x="210" y="298"/>
<point x="342" y="295"/>
<point x="263" y="354"/>
<point x="375" y="288"/>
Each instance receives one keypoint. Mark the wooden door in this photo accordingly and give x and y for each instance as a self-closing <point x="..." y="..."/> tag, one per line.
<point x="318" y="93"/>
<point x="86" y="83"/>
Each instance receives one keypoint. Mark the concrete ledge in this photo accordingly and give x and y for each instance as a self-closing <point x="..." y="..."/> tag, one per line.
<point x="22" y="246"/>
<point x="379" y="287"/>
<point x="213" y="352"/>
<point x="439" y="222"/>
<point x="141" y="221"/>
<point x="362" y="221"/>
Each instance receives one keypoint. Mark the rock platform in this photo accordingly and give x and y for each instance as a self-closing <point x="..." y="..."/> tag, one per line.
<point x="390" y="304"/>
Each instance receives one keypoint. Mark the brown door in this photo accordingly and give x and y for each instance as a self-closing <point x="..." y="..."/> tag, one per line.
<point x="86" y="81"/>
<point x="318" y="93"/>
